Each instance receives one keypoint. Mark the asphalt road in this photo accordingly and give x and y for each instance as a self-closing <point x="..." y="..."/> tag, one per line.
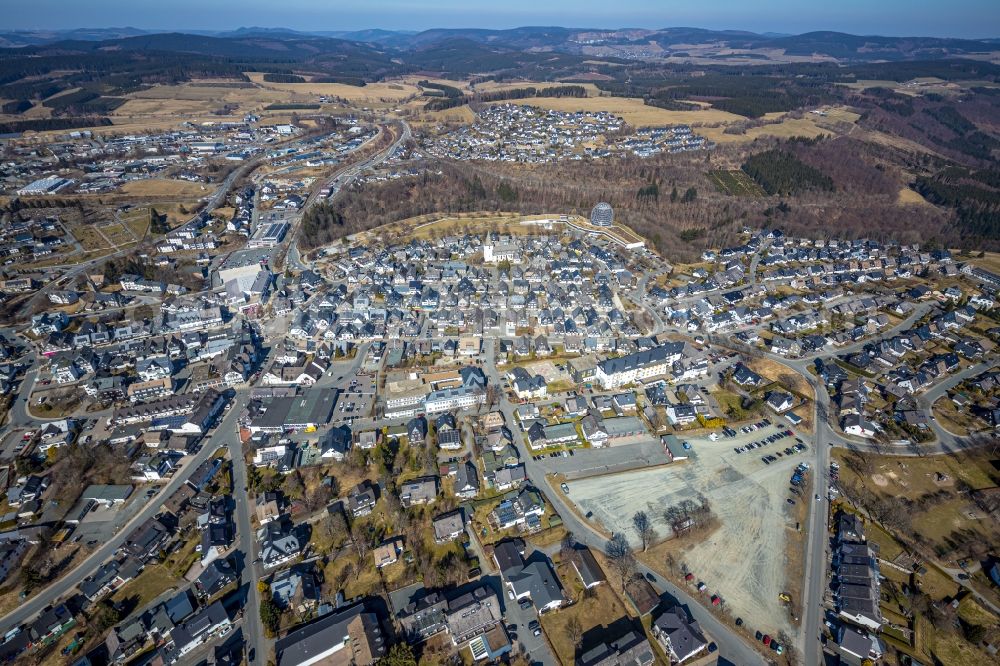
<point x="336" y="183"/>
<point x="816" y="568"/>
<point x="253" y="628"/>
<point x="68" y="581"/>
<point x="731" y="646"/>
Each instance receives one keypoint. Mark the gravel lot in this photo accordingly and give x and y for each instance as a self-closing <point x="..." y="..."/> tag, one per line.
<point x="743" y="560"/>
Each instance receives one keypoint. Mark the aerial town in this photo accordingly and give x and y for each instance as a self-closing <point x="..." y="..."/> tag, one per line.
<point x="248" y="421"/>
<point x="513" y="133"/>
<point x="453" y="408"/>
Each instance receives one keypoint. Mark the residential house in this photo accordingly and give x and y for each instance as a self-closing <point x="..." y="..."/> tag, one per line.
<point x="388" y="552"/>
<point x="586" y="567"/>
<point x="279" y="543"/>
<point x="421" y="490"/>
<point x="679" y="636"/>
<point x="361" y="501"/>
<point x="632" y="649"/>
<point x="467" y="481"/>
<point x="448" y="526"/>
<point x="532" y="578"/>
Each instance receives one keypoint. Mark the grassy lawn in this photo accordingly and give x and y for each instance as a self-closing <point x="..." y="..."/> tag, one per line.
<point x="951" y="650"/>
<point x="936" y="584"/>
<point x="162" y="187"/>
<point x="970" y="611"/>
<point x="428" y="226"/>
<point x="151" y="583"/>
<point x="181" y="559"/>
<point x="954" y="421"/>
<point x="981" y="583"/>
<point x="88" y="237"/>
<point x="548" y="536"/>
<point x="728" y="401"/>
<point x="940" y="515"/>
<point x="361" y="579"/>
<point x="795" y="555"/>
<point x="601" y="609"/>
<point x="778" y="372"/>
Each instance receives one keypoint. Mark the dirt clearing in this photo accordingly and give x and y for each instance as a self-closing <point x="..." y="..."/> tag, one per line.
<point x="162" y="187"/>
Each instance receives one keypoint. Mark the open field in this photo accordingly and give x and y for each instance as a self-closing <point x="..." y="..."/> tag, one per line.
<point x="991" y="261"/>
<point x="805" y="127"/>
<point x="187" y="99"/>
<point x="939" y="515"/>
<point x="426" y="226"/>
<point x="862" y="84"/>
<point x="460" y="114"/>
<point x="137" y="220"/>
<point x="744" y="559"/>
<point x="118" y="234"/>
<point x="151" y="583"/>
<point x="414" y="81"/>
<point x="373" y="92"/>
<point x="908" y="196"/>
<point x="492" y="86"/>
<point x="594" y="612"/>
<point x="777" y="372"/>
<point x="892" y="141"/>
<point x="735" y="182"/>
<point x="633" y="111"/>
<point x="89" y="237"/>
<point x="162" y="187"/>
<point x="840" y="114"/>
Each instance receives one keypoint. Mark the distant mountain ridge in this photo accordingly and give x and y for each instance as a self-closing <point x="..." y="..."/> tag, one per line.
<point x="577" y="41"/>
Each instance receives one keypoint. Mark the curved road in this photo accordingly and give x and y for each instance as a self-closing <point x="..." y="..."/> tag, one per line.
<point x="336" y="183"/>
<point x="731" y="646"/>
<point x="68" y="581"/>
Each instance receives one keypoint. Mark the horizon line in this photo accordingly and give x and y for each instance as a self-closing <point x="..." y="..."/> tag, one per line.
<point x="181" y="30"/>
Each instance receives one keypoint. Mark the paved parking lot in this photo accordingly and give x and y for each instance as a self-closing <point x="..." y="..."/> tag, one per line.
<point x="549" y="370"/>
<point x="356" y="405"/>
<point x="742" y="560"/>
<point x="102" y="524"/>
<point x="588" y="462"/>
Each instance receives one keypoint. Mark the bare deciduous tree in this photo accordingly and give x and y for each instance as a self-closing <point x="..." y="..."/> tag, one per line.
<point x="622" y="558"/>
<point x="643" y="528"/>
<point x="574" y="631"/>
<point x="567" y="549"/>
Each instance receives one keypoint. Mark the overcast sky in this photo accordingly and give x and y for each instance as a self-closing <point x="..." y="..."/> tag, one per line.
<point x="956" y="18"/>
